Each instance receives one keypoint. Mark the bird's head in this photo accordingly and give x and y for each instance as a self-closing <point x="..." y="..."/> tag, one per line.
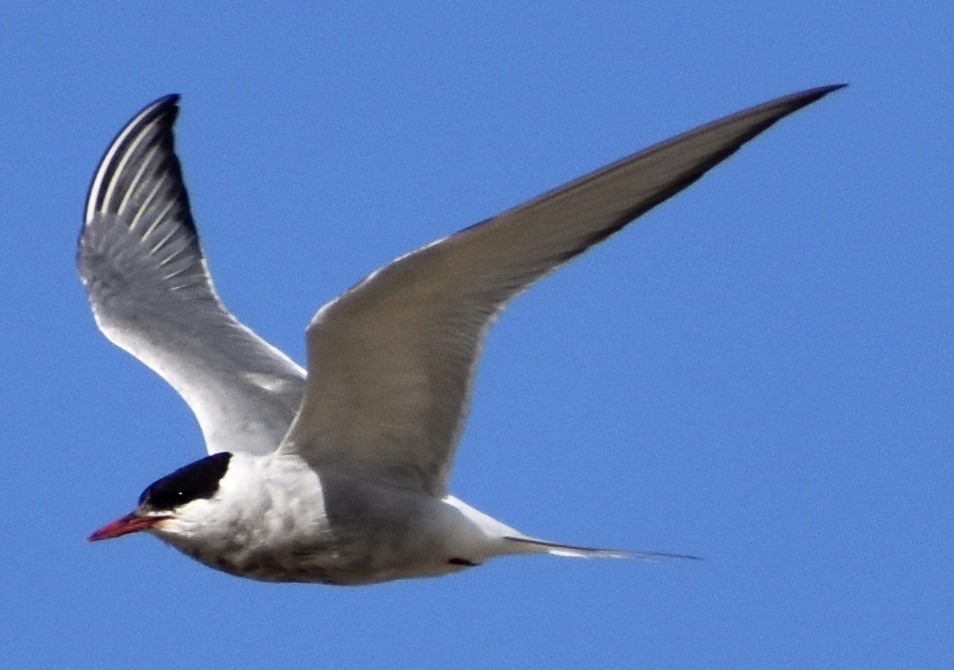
<point x="174" y="503"/>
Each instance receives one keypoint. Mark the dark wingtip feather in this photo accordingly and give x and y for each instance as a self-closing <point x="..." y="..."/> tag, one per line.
<point x="166" y="105"/>
<point x="811" y="95"/>
<point x="788" y="105"/>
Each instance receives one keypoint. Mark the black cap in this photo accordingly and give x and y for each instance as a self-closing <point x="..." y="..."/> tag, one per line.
<point x="191" y="482"/>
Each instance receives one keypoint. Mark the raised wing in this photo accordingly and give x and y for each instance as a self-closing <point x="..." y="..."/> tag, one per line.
<point x="140" y="259"/>
<point x="391" y="362"/>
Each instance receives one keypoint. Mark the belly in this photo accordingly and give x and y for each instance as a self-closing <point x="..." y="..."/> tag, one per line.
<point x="360" y="539"/>
<point x="341" y="565"/>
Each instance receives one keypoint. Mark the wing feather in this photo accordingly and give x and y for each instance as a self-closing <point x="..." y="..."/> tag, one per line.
<point x="391" y="362"/>
<point x="141" y="261"/>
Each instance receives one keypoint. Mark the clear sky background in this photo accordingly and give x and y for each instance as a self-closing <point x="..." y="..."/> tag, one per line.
<point x="759" y="372"/>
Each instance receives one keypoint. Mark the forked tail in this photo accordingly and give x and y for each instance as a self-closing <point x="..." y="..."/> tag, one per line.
<point x="534" y="546"/>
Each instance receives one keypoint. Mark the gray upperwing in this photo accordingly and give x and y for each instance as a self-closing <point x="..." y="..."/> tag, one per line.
<point x="141" y="261"/>
<point x="391" y="362"/>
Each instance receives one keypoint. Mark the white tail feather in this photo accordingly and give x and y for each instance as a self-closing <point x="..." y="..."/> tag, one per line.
<point x="534" y="546"/>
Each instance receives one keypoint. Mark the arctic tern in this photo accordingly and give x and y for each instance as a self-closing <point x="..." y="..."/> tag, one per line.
<point x="340" y="476"/>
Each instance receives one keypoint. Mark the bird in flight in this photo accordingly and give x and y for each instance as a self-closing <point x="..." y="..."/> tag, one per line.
<point x="339" y="475"/>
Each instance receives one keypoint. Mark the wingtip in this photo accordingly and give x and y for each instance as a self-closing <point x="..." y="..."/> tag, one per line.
<point x="830" y="88"/>
<point x="808" y="96"/>
<point x="165" y="105"/>
<point x="166" y="100"/>
<point x="157" y="106"/>
<point x="161" y="105"/>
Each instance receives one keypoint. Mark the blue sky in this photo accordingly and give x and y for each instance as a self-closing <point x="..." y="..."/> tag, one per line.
<point x="759" y="372"/>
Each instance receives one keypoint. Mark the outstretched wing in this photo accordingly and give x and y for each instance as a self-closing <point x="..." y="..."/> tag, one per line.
<point x="140" y="259"/>
<point x="391" y="362"/>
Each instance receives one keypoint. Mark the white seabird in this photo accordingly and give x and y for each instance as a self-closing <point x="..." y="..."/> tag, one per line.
<point x="340" y="476"/>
